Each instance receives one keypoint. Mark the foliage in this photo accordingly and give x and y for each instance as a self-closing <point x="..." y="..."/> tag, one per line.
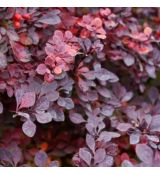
<point x="79" y="87"/>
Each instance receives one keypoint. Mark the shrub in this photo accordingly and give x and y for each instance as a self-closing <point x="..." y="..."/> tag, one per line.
<point x="79" y="87"/>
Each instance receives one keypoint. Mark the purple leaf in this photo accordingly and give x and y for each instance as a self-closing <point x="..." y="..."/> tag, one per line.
<point x="131" y="113"/>
<point x="153" y="138"/>
<point x="33" y="35"/>
<point x="12" y="35"/>
<point x="5" y="155"/>
<point x="28" y="100"/>
<point x="105" y="75"/>
<point x="16" y="154"/>
<point x="21" y="52"/>
<point x="127" y="97"/>
<point x="155" y="124"/>
<point x="99" y="156"/>
<point x="89" y="75"/>
<point x="1" y="108"/>
<point x="107" y="136"/>
<point x="3" y="61"/>
<point x="104" y="92"/>
<point x="90" y="142"/>
<point x="85" y="156"/>
<point x="29" y="128"/>
<point x="65" y="102"/>
<point x="83" y="85"/>
<point x="157" y="158"/>
<point x="50" y="20"/>
<point x="126" y="163"/>
<point x="23" y="114"/>
<point x="52" y="96"/>
<point x="107" y="110"/>
<point x="42" y="69"/>
<point x="108" y="162"/>
<point x="144" y="153"/>
<point x="76" y="118"/>
<point x="119" y="90"/>
<point x="69" y="103"/>
<point x="151" y="71"/>
<point x="129" y="60"/>
<point x="40" y="159"/>
<point x="92" y="95"/>
<point x="19" y="94"/>
<point x="44" y="117"/>
<point x="153" y="94"/>
<point x="123" y="127"/>
<point x="42" y="104"/>
<point x="87" y="44"/>
<point x="57" y="115"/>
<point x="134" y="138"/>
<point x="54" y="164"/>
<point x="48" y="88"/>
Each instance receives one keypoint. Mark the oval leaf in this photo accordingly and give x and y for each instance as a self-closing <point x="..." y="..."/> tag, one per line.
<point x="40" y="159"/>
<point x="85" y="155"/>
<point x="29" y="128"/>
<point x="28" y="100"/>
<point x="76" y="118"/>
<point x="144" y="153"/>
<point x="99" y="156"/>
<point x="90" y="142"/>
<point x="44" y="117"/>
<point x="1" y="107"/>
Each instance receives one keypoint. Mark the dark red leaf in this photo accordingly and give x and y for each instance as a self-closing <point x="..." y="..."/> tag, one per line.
<point x="21" y="53"/>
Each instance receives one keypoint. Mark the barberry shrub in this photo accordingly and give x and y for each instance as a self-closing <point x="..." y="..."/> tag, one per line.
<point x="79" y="87"/>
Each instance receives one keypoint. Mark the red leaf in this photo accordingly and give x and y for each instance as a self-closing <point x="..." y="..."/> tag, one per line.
<point x="42" y="69"/>
<point x="21" y="52"/>
<point x="25" y="39"/>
